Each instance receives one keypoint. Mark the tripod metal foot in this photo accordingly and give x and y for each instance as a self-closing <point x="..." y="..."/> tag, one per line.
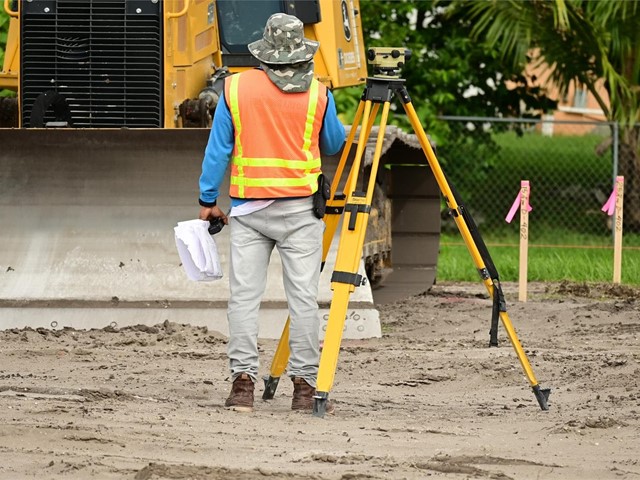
<point x="270" y="385"/>
<point x="542" y="395"/>
<point x="320" y="400"/>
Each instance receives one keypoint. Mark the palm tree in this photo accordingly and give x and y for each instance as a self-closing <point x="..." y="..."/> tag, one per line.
<point x="580" y="41"/>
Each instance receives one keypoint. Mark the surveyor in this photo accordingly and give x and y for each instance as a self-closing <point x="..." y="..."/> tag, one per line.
<point x="272" y="123"/>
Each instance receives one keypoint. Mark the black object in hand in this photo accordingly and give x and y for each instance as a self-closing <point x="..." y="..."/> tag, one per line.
<point x="215" y="225"/>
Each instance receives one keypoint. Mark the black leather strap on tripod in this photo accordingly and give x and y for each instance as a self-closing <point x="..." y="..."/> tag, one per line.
<point x="490" y="271"/>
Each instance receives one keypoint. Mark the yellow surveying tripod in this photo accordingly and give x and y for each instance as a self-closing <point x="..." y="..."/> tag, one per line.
<point x="380" y="90"/>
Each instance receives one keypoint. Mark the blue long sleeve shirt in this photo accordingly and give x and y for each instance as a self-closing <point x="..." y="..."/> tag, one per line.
<point x="221" y="142"/>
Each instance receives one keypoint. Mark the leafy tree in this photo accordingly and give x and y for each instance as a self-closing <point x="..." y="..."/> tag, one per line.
<point x="449" y="73"/>
<point x="580" y="41"/>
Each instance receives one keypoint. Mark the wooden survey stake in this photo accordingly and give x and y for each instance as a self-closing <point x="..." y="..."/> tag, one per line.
<point x="524" y="239"/>
<point x="617" y="234"/>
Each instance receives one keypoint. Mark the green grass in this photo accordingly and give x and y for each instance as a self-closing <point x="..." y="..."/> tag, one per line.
<point x="569" y="238"/>
<point x="577" y="262"/>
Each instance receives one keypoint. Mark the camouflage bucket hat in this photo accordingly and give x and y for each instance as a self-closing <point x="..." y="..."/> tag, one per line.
<point x="283" y="42"/>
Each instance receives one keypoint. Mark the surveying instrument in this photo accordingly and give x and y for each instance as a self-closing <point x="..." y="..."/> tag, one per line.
<point x="356" y="205"/>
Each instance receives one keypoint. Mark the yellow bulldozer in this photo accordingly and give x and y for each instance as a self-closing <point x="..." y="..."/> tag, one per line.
<point x="100" y="154"/>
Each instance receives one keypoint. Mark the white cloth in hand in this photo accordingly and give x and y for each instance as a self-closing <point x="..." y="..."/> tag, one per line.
<point x="198" y="251"/>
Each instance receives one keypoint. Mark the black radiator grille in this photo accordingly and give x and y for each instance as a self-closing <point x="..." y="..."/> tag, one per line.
<point x="103" y="57"/>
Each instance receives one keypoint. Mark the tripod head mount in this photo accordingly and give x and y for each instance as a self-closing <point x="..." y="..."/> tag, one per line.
<point x="387" y="61"/>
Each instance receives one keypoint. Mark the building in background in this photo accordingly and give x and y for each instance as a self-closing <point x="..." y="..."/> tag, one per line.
<point x="577" y="105"/>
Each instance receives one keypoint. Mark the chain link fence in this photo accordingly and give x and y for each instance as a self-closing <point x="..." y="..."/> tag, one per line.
<point x="571" y="168"/>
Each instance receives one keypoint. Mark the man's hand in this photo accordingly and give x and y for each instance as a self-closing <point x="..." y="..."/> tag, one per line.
<point x="209" y="213"/>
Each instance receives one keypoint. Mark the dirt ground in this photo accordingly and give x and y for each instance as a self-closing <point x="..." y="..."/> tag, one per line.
<point x="428" y="400"/>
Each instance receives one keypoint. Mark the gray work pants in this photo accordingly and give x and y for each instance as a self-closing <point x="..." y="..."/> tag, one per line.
<point x="290" y="226"/>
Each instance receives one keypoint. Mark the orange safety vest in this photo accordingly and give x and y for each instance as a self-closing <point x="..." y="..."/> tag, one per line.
<point x="277" y="137"/>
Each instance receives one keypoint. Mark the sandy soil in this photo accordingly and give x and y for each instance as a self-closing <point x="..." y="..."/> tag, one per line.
<point x="429" y="399"/>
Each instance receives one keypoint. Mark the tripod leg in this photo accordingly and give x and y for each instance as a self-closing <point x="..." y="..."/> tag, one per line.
<point x="335" y="207"/>
<point x="542" y="395"/>
<point x="345" y="277"/>
<point x="345" y="152"/>
<point x="278" y="364"/>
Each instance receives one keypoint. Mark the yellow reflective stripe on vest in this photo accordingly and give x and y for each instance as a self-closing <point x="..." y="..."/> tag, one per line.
<point x="273" y="182"/>
<point x="235" y="113"/>
<point x="311" y="115"/>
<point x="278" y="162"/>
<point x="235" y="110"/>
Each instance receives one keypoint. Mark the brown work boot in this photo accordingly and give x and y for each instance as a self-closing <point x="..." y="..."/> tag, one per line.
<point x="303" y="396"/>
<point x="241" y="396"/>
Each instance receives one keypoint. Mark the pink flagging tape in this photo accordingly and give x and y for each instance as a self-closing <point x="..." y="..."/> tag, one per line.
<point x="514" y="208"/>
<point x="610" y="205"/>
<point x="516" y="203"/>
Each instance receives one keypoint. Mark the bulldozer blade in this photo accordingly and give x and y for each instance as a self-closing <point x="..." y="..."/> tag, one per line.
<point x="87" y="237"/>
